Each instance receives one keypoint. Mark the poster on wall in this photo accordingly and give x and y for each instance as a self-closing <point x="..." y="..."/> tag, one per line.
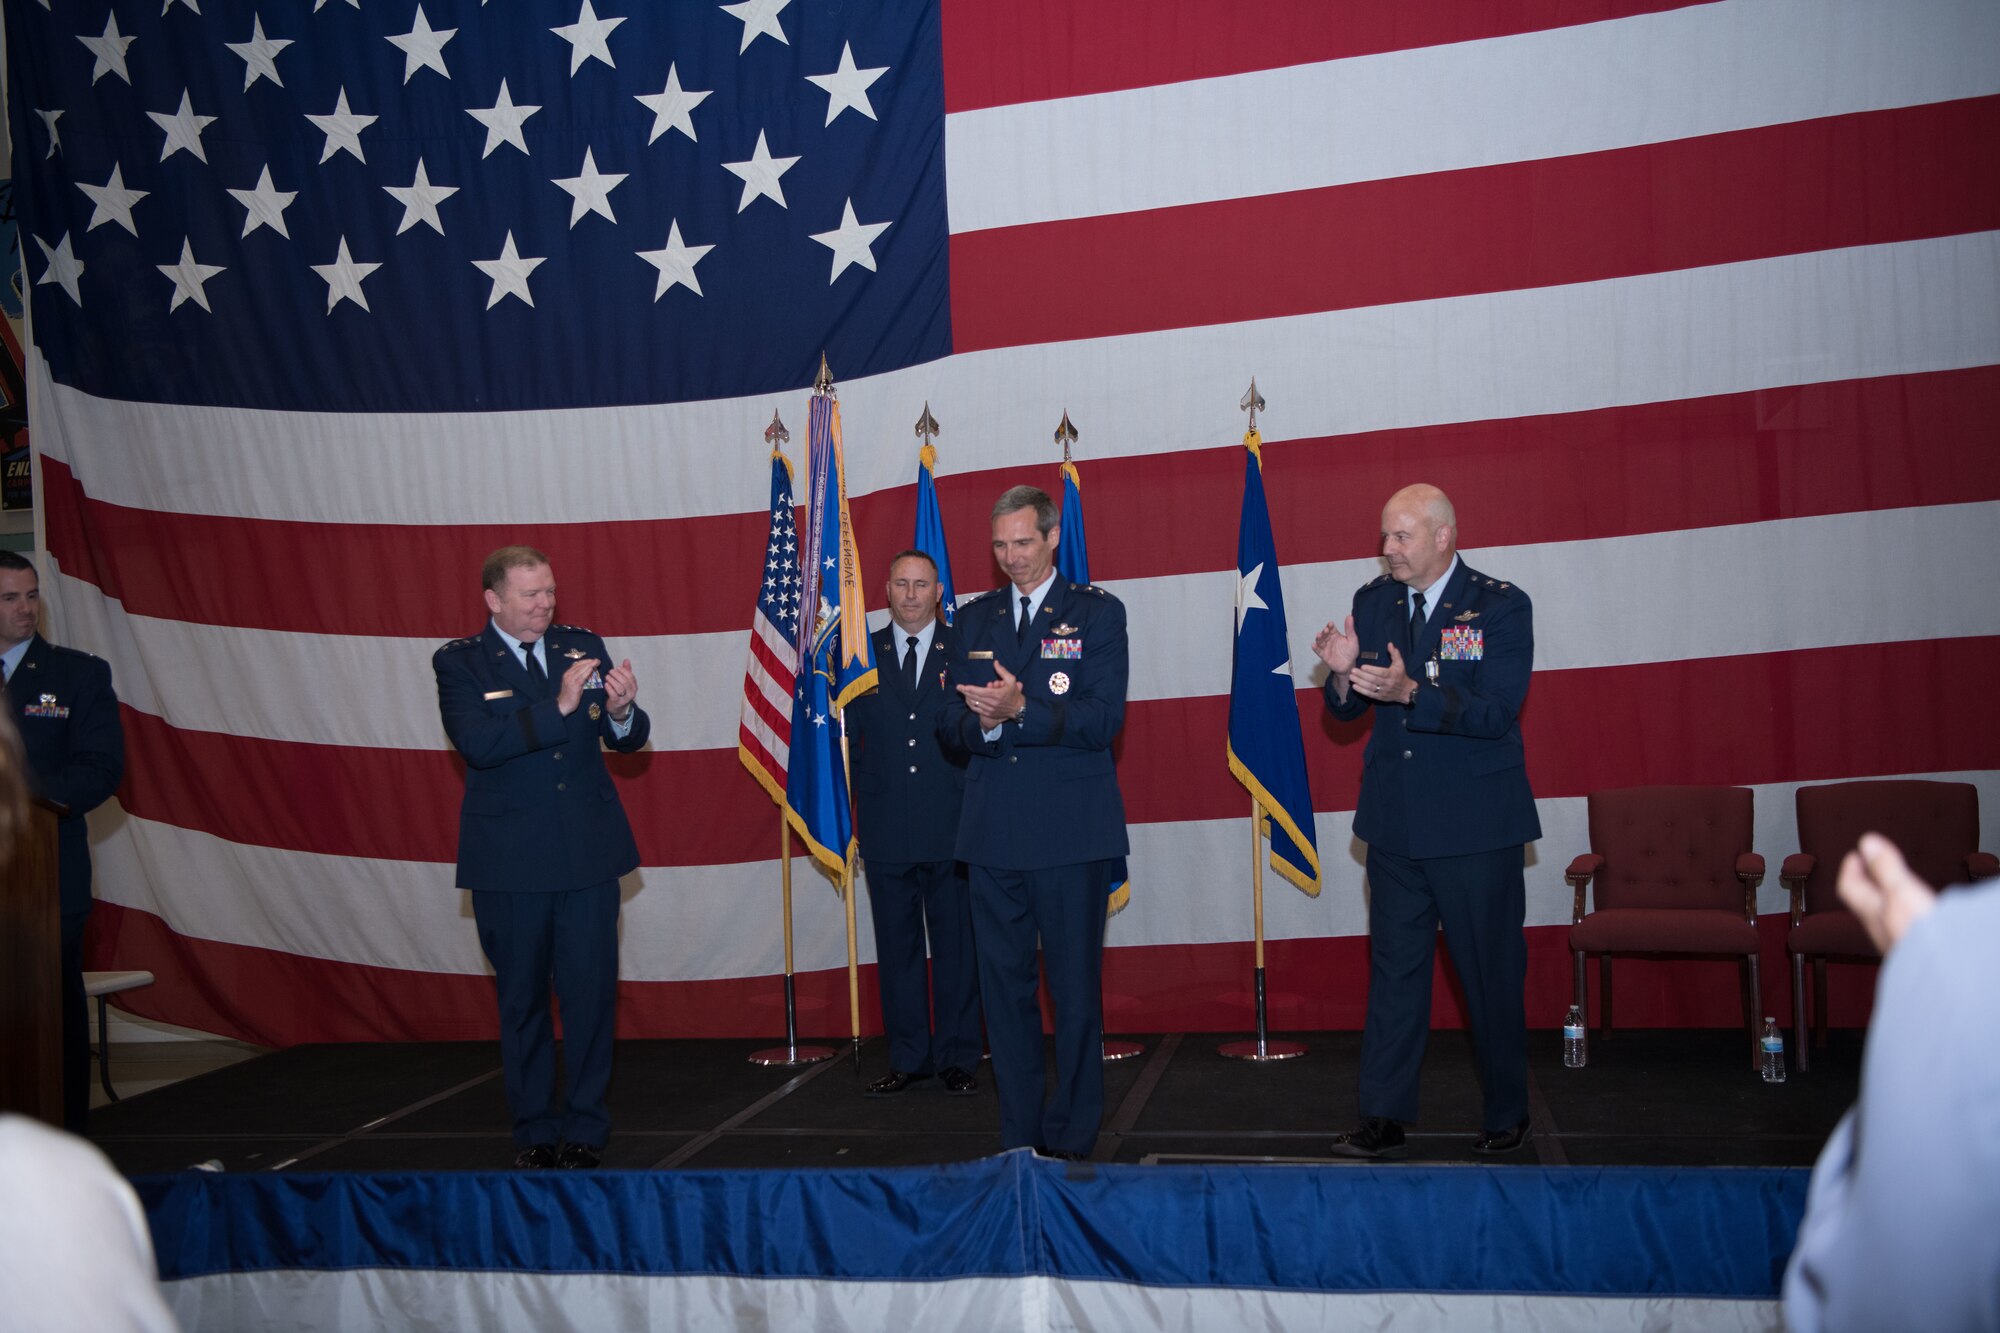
<point x="17" y="480"/>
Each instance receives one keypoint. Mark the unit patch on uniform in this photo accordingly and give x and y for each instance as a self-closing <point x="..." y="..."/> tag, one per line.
<point x="1462" y="643"/>
<point x="1067" y="649"/>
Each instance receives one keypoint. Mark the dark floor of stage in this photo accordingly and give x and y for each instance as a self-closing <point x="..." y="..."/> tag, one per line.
<point x="1648" y="1098"/>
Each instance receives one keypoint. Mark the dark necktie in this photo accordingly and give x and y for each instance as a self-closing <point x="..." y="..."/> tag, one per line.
<point x="910" y="662"/>
<point x="535" y="672"/>
<point x="1413" y="632"/>
<point x="1021" y="626"/>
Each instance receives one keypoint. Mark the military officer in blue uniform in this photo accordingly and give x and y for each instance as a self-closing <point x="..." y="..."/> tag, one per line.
<point x="907" y="787"/>
<point x="62" y="702"/>
<point x="542" y="842"/>
<point x="1442" y="653"/>
<point x="1039" y="674"/>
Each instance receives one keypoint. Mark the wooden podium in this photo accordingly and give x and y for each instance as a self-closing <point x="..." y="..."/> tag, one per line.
<point x="30" y="965"/>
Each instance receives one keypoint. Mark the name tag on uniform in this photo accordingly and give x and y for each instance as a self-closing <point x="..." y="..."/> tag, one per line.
<point x="1370" y="655"/>
<point x="499" y="694"/>
<point x="1069" y="650"/>
<point x="1462" y="643"/>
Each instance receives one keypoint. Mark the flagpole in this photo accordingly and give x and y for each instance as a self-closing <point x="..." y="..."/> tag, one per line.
<point x="791" y="1053"/>
<point x="847" y="898"/>
<point x="1261" y="1049"/>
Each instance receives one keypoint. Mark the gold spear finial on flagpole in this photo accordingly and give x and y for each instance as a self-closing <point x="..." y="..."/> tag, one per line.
<point x="1065" y="435"/>
<point x="823" y="382"/>
<point x="1253" y="402"/>
<point x="775" y="434"/>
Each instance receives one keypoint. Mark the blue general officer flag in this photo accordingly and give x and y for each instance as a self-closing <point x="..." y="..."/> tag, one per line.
<point x="836" y="659"/>
<point x="1266" y="748"/>
<point x="1073" y="563"/>
<point x="930" y="529"/>
<point x="1073" y="555"/>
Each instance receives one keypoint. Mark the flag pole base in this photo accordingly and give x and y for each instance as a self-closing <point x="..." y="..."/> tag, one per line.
<point x="791" y="1057"/>
<point x="1121" y="1050"/>
<point x="1260" y="1050"/>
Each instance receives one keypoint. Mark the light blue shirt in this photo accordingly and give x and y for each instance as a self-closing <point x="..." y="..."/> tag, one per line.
<point x="1035" y="600"/>
<point x="521" y="650"/>
<point x="12" y="657"/>
<point x="924" y="638"/>
<point x="1436" y="590"/>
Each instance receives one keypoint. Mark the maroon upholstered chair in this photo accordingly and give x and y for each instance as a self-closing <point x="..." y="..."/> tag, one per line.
<point x="1935" y="823"/>
<point x="1675" y="877"/>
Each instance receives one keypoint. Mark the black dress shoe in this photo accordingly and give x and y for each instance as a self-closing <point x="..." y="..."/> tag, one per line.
<point x="893" y="1083"/>
<point x="578" y="1157"/>
<point x="535" y="1157"/>
<point x="957" y="1082"/>
<point x="1376" y="1140"/>
<point x="1496" y="1141"/>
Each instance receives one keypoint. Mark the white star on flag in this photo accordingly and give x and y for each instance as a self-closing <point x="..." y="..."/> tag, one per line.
<point x="760" y="19"/>
<point x="760" y="175"/>
<point x="676" y="265"/>
<point x="113" y="201"/>
<point x="502" y="121"/>
<point x="49" y="118"/>
<point x="671" y="106"/>
<point x="590" y="190"/>
<point x="342" y="128"/>
<point x="63" y="267"/>
<point x="260" y="53"/>
<point x="343" y="278"/>
<point x="420" y="199"/>
<point x="588" y="38"/>
<point x="319" y="4"/>
<point x="422" y="46"/>
<point x="1247" y="599"/>
<point x="188" y="277"/>
<point x="850" y="242"/>
<point x="265" y="205"/>
<point x="509" y="273"/>
<point x="193" y="8"/>
<point x="183" y="129"/>
<point x="847" y="87"/>
<point x="109" y="50"/>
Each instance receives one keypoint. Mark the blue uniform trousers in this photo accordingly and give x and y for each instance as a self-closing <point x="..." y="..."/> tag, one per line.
<point x="568" y="940"/>
<point x="929" y="1012"/>
<point x="1064" y="906"/>
<point x="1481" y="900"/>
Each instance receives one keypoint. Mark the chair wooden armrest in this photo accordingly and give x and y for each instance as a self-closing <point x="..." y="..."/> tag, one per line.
<point x="1750" y="871"/>
<point x="1981" y="865"/>
<point x="1793" y="874"/>
<point x="1581" y="871"/>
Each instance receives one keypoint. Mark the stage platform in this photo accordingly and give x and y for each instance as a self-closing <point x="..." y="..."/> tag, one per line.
<point x="1648" y="1098"/>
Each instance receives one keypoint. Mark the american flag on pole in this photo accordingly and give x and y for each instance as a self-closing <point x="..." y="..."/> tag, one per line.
<point x="1693" y="308"/>
<point x="763" y="737"/>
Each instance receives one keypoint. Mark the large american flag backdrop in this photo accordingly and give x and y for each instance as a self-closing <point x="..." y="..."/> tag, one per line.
<point x="1694" y="308"/>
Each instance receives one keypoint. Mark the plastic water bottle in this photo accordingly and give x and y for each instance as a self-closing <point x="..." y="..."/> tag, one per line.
<point x="1774" y="1052"/>
<point x="1576" y="1052"/>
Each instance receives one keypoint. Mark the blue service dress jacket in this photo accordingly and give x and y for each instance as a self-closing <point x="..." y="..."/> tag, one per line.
<point x="1446" y="777"/>
<point x="74" y="742"/>
<point x="540" y="813"/>
<point x="908" y="784"/>
<point x="1045" y="792"/>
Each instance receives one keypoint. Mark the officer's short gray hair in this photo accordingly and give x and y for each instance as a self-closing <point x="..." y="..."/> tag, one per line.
<point x="1018" y="498"/>
<point x="494" y="572"/>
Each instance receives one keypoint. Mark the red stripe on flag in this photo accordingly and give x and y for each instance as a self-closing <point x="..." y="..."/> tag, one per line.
<point x="1108" y="45"/>
<point x="1735" y="720"/>
<point x="1774" y="454"/>
<point x="1862" y="179"/>
<point x="278" y="999"/>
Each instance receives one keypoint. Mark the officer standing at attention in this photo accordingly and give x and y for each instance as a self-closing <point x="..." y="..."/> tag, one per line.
<point x="63" y="704"/>
<point x="907" y="787"/>
<point x="1039" y="674"/>
<point x="1443" y="654"/>
<point x="542" y="841"/>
